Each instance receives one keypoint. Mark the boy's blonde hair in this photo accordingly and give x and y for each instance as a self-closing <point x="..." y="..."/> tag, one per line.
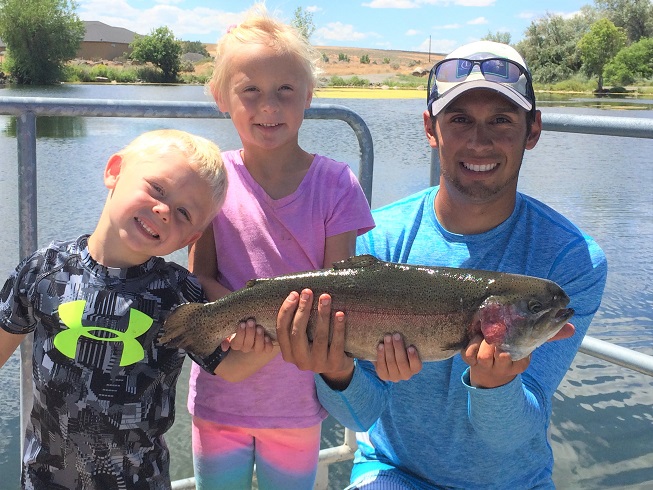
<point x="202" y="154"/>
<point x="260" y="28"/>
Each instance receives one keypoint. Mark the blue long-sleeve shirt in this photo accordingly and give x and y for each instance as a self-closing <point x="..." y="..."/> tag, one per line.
<point x="436" y="430"/>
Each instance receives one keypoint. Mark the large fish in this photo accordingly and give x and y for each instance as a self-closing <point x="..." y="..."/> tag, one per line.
<point x="438" y="309"/>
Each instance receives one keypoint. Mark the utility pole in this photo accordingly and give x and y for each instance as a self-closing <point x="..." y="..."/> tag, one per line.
<point x="429" y="48"/>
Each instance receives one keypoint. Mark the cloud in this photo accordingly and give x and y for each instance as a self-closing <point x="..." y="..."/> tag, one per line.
<point x="196" y="24"/>
<point x="313" y="8"/>
<point x="526" y="15"/>
<point x="411" y="4"/>
<point x="460" y="3"/>
<point x="447" y="26"/>
<point x="412" y="32"/>
<point x="477" y="21"/>
<point x="337" y="31"/>
<point x="438" y="46"/>
<point x="391" y="4"/>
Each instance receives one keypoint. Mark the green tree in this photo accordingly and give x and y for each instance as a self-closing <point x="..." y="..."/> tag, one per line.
<point x="634" y="16"/>
<point x="631" y="63"/>
<point x="498" y="37"/>
<point x="603" y="41"/>
<point x="41" y="35"/>
<point x="550" y="45"/>
<point x="303" y="22"/>
<point x="193" y="47"/>
<point x="161" y="49"/>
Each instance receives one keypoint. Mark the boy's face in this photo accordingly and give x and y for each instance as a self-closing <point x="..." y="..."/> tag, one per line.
<point x="155" y="206"/>
<point x="266" y="96"/>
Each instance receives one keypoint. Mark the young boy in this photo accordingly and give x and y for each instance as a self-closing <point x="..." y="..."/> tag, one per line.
<point x="104" y="389"/>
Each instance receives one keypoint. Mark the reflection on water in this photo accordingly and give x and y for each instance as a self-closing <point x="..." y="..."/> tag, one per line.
<point x="52" y="127"/>
<point x="602" y="416"/>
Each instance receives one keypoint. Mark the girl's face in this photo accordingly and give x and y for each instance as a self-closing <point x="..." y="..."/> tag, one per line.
<point x="266" y="96"/>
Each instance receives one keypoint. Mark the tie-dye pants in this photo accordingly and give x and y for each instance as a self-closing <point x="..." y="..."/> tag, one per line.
<point x="224" y="457"/>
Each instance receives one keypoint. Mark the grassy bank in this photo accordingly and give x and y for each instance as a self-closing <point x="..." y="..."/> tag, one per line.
<point x="397" y="86"/>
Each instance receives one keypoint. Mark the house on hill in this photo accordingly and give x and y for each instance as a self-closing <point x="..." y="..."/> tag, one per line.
<point x="105" y="42"/>
<point x="101" y="42"/>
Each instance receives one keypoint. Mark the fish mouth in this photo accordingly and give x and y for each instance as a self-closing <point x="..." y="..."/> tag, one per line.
<point x="564" y="314"/>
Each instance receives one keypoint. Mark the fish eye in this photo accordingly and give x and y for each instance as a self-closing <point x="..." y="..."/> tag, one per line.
<point x="534" y="306"/>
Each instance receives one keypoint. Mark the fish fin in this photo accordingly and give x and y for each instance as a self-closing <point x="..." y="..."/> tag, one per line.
<point x="250" y="283"/>
<point x="176" y="328"/>
<point x="356" y="262"/>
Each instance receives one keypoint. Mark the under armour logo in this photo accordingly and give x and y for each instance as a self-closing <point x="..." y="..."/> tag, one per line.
<point x="71" y="316"/>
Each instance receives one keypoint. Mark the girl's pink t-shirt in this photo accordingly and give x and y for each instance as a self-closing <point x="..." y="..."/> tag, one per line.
<point x="257" y="236"/>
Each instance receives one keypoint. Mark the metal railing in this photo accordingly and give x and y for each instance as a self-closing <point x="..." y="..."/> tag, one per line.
<point x="27" y="109"/>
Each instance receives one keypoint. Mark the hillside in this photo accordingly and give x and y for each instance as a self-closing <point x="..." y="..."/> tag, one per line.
<point x="383" y="63"/>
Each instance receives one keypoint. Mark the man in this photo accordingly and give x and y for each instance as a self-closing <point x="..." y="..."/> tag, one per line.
<point x="477" y="420"/>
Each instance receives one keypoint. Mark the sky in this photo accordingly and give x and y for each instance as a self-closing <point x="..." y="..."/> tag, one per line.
<point x="436" y="26"/>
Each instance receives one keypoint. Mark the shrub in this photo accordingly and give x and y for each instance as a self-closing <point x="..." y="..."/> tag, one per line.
<point x="343" y="57"/>
<point x="336" y="81"/>
<point x="187" y="66"/>
<point x="365" y="59"/>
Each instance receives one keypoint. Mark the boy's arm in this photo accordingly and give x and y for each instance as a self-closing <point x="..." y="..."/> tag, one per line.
<point x="8" y="344"/>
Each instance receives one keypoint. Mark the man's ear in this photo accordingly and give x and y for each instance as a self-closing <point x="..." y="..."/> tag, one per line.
<point x="112" y="171"/>
<point x="536" y="130"/>
<point x="429" y="129"/>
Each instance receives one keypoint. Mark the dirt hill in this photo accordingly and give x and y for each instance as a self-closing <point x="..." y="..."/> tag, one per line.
<point x="383" y="63"/>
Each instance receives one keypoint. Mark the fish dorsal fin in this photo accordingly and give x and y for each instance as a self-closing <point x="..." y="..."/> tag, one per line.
<point x="251" y="283"/>
<point x="356" y="262"/>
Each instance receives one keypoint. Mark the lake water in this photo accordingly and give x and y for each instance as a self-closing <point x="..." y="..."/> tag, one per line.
<point x="602" y="415"/>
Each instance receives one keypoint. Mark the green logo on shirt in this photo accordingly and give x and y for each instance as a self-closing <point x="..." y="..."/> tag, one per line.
<point x="71" y="316"/>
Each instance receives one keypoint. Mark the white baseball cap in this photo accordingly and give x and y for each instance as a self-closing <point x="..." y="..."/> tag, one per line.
<point x="481" y="64"/>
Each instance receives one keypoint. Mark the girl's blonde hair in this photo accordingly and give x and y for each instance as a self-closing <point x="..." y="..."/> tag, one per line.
<point x="260" y="28"/>
<point x="202" y="154"/>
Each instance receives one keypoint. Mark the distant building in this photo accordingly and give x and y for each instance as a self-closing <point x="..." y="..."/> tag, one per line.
<point x="104" y="42"/>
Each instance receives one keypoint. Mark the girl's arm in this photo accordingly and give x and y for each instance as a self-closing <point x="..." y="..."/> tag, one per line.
<point x="249" y="349"/>
<point x="339" y="247"/>
<point x="202" y="262"/>
<point x="239" y="364"/>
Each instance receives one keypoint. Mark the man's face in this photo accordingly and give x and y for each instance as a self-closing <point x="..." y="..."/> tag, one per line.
<point x="481" y="137"/>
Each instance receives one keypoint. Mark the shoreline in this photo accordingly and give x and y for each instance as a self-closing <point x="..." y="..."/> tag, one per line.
<point x="368" y="93"/>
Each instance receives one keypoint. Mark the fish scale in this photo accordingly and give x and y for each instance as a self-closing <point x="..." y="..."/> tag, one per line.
<point x="437" y="309"/>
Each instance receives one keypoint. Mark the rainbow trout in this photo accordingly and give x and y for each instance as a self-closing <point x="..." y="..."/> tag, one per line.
<point x="438" y="309"/>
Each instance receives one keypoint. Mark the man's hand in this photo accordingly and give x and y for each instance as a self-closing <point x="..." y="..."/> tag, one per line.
<point x="490" y="368"/>
<point x="318" y="356"/>
<point x="395" y="362"/>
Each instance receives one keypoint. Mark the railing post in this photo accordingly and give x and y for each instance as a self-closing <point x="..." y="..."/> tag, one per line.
<point x="27" y="243"/>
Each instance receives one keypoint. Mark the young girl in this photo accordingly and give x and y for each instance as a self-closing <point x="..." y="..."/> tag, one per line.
<point x="286" y="211"/>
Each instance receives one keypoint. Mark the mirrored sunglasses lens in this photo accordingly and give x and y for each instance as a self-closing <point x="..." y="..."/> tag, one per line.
<point x="501" y="71"/>
<point x="453" y="70"/>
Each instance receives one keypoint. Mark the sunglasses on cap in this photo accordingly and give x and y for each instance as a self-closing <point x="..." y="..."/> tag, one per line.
<point x="497" y="70"/>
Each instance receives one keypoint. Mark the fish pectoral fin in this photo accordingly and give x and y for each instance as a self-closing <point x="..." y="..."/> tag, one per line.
<point x="356" y="262"/>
